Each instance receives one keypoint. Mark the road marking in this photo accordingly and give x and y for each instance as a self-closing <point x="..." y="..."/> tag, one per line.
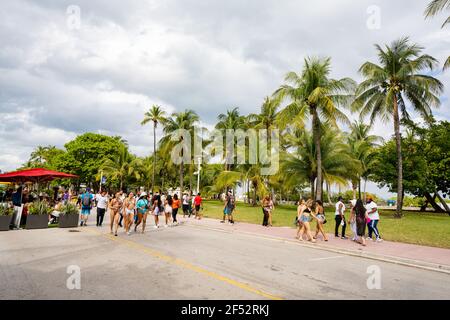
<point x="187" y="265"/>
<point x="327" y="258"/>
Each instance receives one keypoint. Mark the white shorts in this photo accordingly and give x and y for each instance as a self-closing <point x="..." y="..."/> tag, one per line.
<point x="168" y="209"/>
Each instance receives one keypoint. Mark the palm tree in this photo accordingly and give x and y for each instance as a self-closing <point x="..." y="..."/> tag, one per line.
<point x="121" y="167"/>
<point x="232" y="120"/>
<point x="434" y="8"/>
<point x="313" y="94"/>
<point x="185" y="120"/>
<point x="155" y="115"/>
<point x="267" y="118"/>
<point x="386" y="87"/>
<point x="301" y="166"/>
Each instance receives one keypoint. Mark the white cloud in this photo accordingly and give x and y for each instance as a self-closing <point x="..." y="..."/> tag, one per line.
<point x="203" y="55"/>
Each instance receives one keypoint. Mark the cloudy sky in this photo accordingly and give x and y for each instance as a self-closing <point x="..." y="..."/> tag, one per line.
<point x="60" y="77"/>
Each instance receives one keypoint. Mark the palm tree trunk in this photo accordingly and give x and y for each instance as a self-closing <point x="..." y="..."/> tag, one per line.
<point x="181" y="177"/>
<point x="328" y="193"/>
<point x="365" y="193"/>
<point x="312" y="183"/>
<point x="154" y="157"/>
<point x="354" y="190"/>
<point x="398" y="141"/>
<point x="316" y="134"/>
<point x="190" y="176"/>
<point x="359" y="188"/>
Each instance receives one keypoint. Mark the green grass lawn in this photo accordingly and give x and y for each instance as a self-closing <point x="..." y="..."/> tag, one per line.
<point x="416" y="228"/>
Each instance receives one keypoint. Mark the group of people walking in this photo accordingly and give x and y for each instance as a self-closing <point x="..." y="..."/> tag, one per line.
<point x="126" y="210"/>
<point x="360" y="216"/>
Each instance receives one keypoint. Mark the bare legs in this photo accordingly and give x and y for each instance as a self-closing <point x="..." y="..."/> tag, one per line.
<point x="319" y="229"/>
<point x="305" y="228"/>
<point x="114" y="216"/>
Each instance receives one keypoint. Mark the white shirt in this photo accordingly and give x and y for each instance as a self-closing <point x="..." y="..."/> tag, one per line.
<point x="102" y="202"/>
<point x="185" y="200"/>
<point x="375" y="215"/>
<point x="337" y="213"/>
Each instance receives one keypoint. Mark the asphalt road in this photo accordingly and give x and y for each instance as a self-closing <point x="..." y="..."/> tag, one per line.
<point x="192" y="262"/>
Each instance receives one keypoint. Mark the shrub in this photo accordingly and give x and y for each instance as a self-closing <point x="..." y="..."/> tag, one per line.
<point x="6" y="210"/>
<point x="69" y="209"/>
<point x="40" y="208"/>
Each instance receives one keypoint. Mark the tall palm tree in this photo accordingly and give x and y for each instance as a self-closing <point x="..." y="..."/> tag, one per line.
<point x="267" y="118"/>
<point x="181" y="120"/>
<point x="155" y="115"/>
<point x="121" y="167"/>
<point x="231" y="120"/>
<point x="301" y="165"/>
<point x="313" y="94"/>
<point x="387" y="86"/>
<point x="361" y="144"/>
<point x="434" y="8"/>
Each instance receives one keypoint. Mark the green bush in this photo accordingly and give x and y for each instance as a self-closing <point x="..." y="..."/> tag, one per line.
<point x="40" y="208"/>
<point x="69" y="209"/>
<point x="6" y="211"/>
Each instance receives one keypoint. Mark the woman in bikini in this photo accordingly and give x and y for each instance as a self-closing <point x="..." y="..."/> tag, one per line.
<point x="115" y="206"/>
<point x="129" y="207"/>
<point x="320" y="216"/>
<point x="304" y="216"/>
<point x="168" y="209"/>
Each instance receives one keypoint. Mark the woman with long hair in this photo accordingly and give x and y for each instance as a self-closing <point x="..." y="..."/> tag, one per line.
<point x="361" y="216"/>
<point x="320" y="217"/>
<point x="168" y="209"/>
<point x="266" y="210"/>
<point x="304" y="216"/>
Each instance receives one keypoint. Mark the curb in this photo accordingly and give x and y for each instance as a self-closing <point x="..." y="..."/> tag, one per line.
<point x="384" y="258"/>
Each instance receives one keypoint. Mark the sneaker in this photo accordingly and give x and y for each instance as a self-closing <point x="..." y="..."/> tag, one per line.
<point x="344" y="238"/>
<point x="81" y="223"/>
<point x="369" y="239"/>
<point x="165" y="226"/>
<point x="156" y="227"/>
<point x="129" y="233"/>
<point x="379" y="240"/>
<point x="223" y="221"/>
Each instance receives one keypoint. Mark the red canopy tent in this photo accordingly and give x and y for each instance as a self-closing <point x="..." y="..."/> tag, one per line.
<point x="37" y="175"/>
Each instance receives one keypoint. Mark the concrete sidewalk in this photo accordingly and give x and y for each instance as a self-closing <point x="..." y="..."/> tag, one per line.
<point x="436" y="259"/>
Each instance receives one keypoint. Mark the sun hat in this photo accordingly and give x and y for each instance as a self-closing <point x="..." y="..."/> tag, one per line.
<point x="143" y="194"/>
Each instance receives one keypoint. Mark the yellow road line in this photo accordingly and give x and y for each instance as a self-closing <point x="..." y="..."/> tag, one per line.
<point x="187" y="265"/>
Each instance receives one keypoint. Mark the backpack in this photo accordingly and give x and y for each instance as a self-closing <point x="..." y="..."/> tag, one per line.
<point x="230" y="203"/>
<point x="86" y="200"/>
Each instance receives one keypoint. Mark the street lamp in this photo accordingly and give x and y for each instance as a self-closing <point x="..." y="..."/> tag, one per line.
<point x="197" y="173"/>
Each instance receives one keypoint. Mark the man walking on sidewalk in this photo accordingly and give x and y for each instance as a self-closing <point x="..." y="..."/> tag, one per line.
<point x="102" y="205"/>
<point x="340" y="218"/>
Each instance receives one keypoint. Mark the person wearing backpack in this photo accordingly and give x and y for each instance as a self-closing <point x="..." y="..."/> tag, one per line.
<point x="86" y="200"/>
